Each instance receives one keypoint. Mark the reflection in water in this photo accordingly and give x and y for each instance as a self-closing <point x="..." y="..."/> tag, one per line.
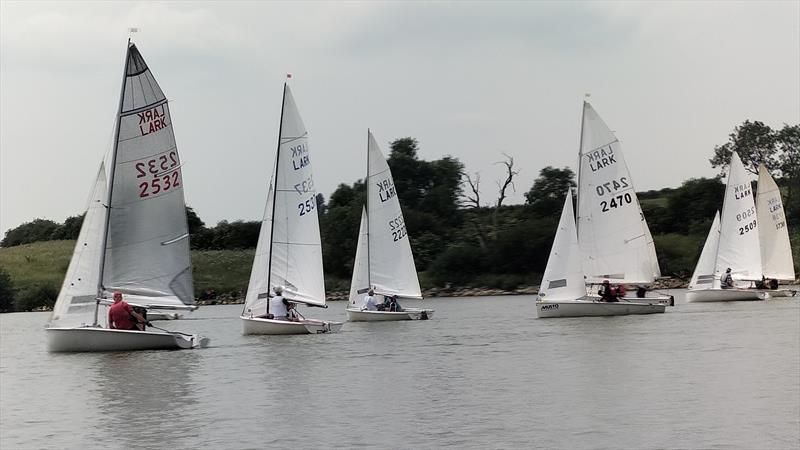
<point x="146" y="397"/>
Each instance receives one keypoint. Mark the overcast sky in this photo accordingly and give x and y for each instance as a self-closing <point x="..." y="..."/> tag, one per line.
<point x="467" y="79"/>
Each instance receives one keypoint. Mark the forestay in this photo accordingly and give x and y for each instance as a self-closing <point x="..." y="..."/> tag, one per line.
<point x="738" y="241"/>
<point x="77" y="299"/>
<point x="773" y="231"/>
<point x="391" y="263"/>
<point x="289" y="251"/>
<point x="613" y="235"/>
<point x="563" y="277"/>
<point x="704" y="276"/>
<point x="147" y="247"/>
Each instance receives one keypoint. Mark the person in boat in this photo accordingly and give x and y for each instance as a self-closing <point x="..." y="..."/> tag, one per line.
<point x="641" y="291"/>
<point x="278" y="306"/>
<point x="291" y="311"/>
<point x="122" y="317"/>
<point x="621" y="291"/>
<point x="607" y="292"/>
<point x="369" y="302"/>
<point x="394" y="305"/>
<point x="727" y="280"/>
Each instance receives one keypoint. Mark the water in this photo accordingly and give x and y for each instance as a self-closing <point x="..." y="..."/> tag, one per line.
<point x="484" y="373"/>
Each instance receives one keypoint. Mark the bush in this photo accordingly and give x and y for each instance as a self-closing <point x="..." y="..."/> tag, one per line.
<point x="38" y="296"/>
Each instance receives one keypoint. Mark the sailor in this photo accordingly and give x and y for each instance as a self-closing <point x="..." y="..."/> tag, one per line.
<point x="291" y="311"/>
<point x="394" y="305"/>
<point x="607" y="293"/>
<point x="369" y="302"/>
<point x="122" y="317"/>
<point x="727" y="280"/>
<point x="277" y="305"/>
<point x="621" y="291"/>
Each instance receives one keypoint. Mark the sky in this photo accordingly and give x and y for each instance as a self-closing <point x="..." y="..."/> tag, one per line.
<point x="474" y="80"/>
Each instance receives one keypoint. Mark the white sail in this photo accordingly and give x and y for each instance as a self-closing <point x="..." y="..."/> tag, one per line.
<point x="612" y="232"/>
<point x="704" y="276"/>
<point x="77" y="299"/>
<point x="289" y="251"/>
<point x="360" y="282"/>
<point x="563" y="277"/>
<point x="391" y="263"/>
<point x="258" y="290"/>
<point x="773" y="231"/>
<point x="739" y="248"/>
<point x="147" y="246"/>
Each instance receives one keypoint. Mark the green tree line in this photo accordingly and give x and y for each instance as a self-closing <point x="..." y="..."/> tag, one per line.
<point x="458" y="239"/>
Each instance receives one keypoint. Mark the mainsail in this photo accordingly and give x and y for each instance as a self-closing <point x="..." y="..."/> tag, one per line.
<point x="77" y="299"/>
<point x="289" y="251"/>
<point x="147" y="252"/>
<point x="739" y="248"/>
<point x="773" y="232"/>
<point x="563" y="277"/>
<point x="614" y="238"/>
<point x="704" y="276"/>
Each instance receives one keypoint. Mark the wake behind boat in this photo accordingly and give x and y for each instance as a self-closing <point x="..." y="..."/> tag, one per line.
<point x="138" y="244"/>
<point x="384" y="262"/>
<point x="288" y="260"/>
<point x="609" y="242"/>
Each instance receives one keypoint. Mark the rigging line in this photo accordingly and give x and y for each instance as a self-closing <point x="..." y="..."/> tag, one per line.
<point x="286" y="140"/>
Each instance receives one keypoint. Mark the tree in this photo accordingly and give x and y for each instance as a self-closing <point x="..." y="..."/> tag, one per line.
<point x="546" y="196"/>
<point x="6" y="292"/>
<point x="754" y="142"/>
<point x="691" y="207"/>
<point x="195" y="224"/>
<point x="37" y="230"/>
<point x="69" y="230"/>
<point x="788" y="143"/>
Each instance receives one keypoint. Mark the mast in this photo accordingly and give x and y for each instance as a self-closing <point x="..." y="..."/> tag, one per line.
<point x="274" y="194"/>
<point x="112" y="170"/>
<point x="580" y="163"/>
<point x="366" y="208"/>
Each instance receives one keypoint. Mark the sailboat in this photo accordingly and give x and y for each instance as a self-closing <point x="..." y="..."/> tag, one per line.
<point x="732" y="243"/>
<point x="289" y="250"/>
<point x="612" y="240"/>
<point x="383" y="261"/>
<point x="773" y="234"/>
<point x="134" y="238"/>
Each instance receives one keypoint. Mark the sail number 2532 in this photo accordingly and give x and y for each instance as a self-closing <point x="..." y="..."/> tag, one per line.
<point x="160" y="173"/>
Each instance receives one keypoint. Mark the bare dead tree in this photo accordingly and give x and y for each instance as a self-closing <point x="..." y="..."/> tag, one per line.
<point x="509" y="181"/>
<point x="473" y="199"/>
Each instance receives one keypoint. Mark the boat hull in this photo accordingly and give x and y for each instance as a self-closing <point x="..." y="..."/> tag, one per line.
<point x="256" y="325"/>
<point x="589" y="308"/>
<point x="770" y="293"/>
<point x="90" y="339"/>
<point x="354" y="315"/>
<point x="723" y="295"/>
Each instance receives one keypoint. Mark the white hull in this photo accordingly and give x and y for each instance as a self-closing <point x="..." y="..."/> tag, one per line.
<point x="723" y="295"/>
<point x="89" y="339"/>
<point x="581" y="308"/>
<point x="354" y="315"/>
<point x="255" y="325"/>
<point x="772" y="293"/>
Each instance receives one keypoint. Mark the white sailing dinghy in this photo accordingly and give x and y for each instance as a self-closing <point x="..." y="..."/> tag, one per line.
<point x="613" y="239"/>
<point x="289" y="250"/>
<point x="773" y="234"/>
<point x="736" y="246"/>
<point x="384" y="261"/>
<point x="134" y="238"/>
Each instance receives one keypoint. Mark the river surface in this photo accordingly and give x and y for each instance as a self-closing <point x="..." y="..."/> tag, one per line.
<point x="484" y="373"/>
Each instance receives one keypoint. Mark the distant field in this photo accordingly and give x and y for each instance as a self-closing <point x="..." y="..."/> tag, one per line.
<point x="45" y="263"/>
